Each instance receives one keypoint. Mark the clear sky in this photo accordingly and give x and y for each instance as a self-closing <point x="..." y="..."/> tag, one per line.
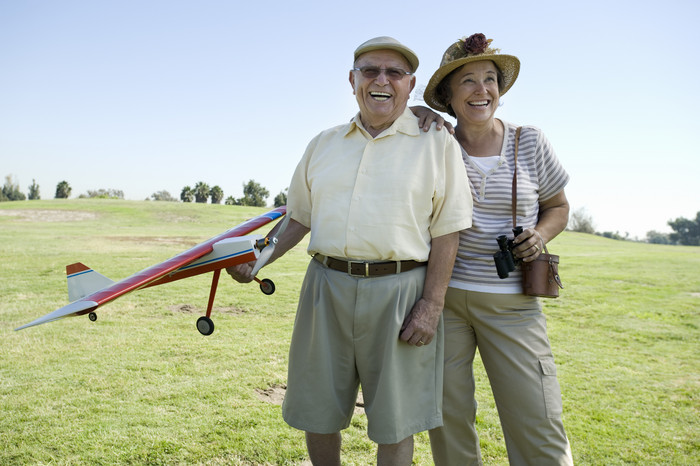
<point x="150" y="95"/>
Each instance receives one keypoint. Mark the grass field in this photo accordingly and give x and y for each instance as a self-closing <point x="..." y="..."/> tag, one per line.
<point x="142" y="386"/>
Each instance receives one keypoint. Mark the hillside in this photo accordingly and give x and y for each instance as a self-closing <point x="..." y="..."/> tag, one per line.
<point x="141" y="385"/>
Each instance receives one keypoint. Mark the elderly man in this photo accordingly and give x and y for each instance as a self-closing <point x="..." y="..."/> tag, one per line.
<point x="384" y="202"/>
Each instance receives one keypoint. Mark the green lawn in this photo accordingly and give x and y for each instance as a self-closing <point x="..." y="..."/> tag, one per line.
<point x="142" y="386"/>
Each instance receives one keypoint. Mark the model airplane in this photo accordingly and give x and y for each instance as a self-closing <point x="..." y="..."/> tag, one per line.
<point x="88" y="290"/>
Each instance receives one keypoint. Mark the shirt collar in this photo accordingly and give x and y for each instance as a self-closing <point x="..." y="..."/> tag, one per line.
<point x="406" y="123"/>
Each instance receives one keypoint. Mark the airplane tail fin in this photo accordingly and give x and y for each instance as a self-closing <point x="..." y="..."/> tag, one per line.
<point x="83" y="281"/>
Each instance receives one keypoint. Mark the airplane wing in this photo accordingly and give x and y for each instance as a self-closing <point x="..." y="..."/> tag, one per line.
<point x="145" y="277"/>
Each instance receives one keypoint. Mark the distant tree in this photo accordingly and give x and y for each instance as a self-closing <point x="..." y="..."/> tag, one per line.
<point x="611" y="235"/>
<point x="231" y="201"/>
<point x="655" y="237"/>
<point x="34" y="191"/>
<point x="201" y="192"/>
<point x="103" y="194"/>
<point x="10" y="190"/>
<point x="254" y="194"/>
<point x="63" y="190"/>
<point x="217" y="194"/>
<point x="281" y="198"/>
<point x="163" y="196"/>
<point x="686" y="231"/>
<point x="187" y="195"/>
<point x="580" y="221"/>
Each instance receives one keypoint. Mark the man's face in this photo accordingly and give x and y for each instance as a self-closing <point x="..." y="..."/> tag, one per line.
<point x="381" y="99"/>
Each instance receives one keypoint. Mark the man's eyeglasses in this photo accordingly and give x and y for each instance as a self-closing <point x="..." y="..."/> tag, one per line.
<point x="393" y="74"/>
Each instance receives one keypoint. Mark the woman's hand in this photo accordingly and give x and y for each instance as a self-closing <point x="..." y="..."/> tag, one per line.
<point x="529" y="245"/>
<point x="426" y="117"/>
<point x="554" y="214"/>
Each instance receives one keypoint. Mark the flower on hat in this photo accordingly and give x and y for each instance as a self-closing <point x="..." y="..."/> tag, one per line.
<point x="476" y="44"/>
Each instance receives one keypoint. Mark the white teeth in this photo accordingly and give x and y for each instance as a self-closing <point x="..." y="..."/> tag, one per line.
<point x="381" y="96"/>
<point x="479" y="103"/>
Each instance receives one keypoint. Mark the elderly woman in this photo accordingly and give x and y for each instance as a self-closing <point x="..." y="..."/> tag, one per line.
<point x="482" y="310"/>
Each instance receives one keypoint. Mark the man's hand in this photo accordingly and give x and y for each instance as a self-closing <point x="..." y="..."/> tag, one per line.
<point x="242" y="273"/>
<point x="421" y="324"/>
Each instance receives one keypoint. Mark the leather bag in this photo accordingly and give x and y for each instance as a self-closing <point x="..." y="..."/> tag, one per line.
<point x="541" y="276"/>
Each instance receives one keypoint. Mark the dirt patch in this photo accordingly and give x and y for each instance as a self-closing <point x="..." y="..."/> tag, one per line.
<point x="191" y="309"/>
<point x="29" y="215"/>
<point x="275" y="395"/>
<point x="184" y="309"/>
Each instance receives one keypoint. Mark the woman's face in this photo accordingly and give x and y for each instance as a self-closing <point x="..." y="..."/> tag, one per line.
<point x="475" y="93"/>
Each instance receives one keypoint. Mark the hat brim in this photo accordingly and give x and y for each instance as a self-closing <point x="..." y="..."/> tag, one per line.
<point x="388" y="43"/>
<point x="508" y="64"/>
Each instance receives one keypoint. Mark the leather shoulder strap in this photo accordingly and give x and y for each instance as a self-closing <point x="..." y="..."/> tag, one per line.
<point x="515" y="177"/>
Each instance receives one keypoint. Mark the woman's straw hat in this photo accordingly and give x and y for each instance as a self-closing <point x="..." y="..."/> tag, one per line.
<point x="466" y="50"/>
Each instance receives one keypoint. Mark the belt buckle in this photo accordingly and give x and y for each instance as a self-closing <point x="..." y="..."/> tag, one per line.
<point x="366" y="274"/>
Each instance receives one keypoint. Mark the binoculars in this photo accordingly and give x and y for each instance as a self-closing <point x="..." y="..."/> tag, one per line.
<point x="504" y="258"/>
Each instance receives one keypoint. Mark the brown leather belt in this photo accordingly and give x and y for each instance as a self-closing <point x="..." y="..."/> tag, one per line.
<point x="367" y="269"/>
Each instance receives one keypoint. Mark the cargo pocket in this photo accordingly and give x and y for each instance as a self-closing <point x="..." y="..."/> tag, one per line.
<point x="550" y="388"/>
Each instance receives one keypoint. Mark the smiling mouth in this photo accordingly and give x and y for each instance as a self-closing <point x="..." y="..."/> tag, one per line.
<point x="380" y="96"/>
<point x="479" y="103"/>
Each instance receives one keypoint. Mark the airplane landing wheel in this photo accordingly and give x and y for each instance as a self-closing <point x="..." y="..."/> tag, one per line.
<point x="205" y="325"/>
<point x="92" y="316"/>
<point x="267" y="286"/>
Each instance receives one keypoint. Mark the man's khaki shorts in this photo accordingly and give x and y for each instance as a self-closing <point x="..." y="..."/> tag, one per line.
<point x="346" y="335"/>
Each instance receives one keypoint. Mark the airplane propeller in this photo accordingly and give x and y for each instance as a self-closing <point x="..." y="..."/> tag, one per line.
<point x="268" y="247"/>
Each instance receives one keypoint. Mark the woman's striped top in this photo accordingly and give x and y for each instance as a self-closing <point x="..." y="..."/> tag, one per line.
<point x="540" y="177"/>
